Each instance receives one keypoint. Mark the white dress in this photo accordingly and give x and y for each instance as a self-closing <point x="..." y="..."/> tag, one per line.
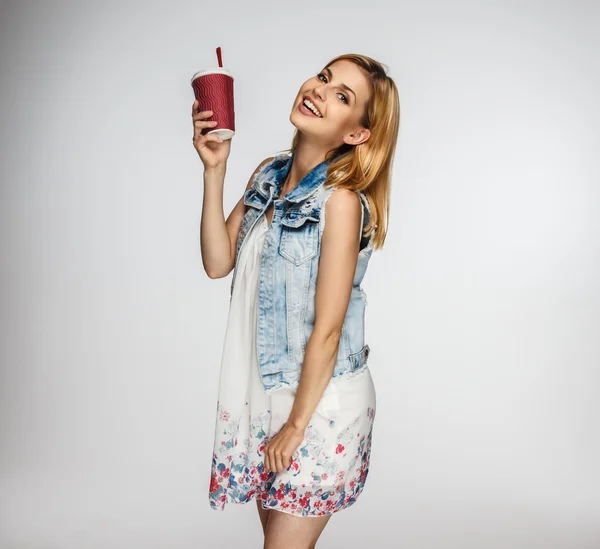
<point x="330" y="466"/>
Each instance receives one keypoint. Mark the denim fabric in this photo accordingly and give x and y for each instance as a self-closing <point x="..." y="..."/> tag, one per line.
<point x="288" y="274"/>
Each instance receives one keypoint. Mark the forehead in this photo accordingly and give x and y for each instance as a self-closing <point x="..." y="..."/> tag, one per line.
<point x="349" y="73"/>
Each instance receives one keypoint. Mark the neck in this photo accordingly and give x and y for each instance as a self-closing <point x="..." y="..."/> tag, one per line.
<point x="306" y="157"/>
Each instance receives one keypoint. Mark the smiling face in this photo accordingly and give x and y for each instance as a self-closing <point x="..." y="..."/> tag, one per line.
<point x="339" y="93"/>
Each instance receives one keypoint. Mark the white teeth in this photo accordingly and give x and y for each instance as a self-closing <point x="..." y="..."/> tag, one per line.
<point x="314" y="109"/>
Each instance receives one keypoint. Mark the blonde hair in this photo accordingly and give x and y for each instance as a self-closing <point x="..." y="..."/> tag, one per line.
<point x="367" y="167"/>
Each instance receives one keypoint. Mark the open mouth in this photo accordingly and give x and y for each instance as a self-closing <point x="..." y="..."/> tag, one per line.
<point x="309" y="108"/>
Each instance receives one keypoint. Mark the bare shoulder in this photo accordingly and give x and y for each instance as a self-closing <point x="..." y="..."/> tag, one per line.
<point x="343" y="211"/>
<point x="343" y="200"/>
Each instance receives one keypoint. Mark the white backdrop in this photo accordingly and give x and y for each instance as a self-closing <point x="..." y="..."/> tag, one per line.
<point x="484" y="305"/>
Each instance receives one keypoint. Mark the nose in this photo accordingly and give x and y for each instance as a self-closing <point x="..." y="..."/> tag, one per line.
<point x="318" y="91"/>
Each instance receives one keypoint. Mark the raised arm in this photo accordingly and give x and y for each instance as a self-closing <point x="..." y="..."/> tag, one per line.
<point x="218" y="236"/>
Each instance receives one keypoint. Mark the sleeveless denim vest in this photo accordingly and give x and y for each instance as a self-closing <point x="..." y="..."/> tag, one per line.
<point x="288" y="274"/>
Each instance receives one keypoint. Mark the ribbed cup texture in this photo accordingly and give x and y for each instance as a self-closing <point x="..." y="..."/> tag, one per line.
<point x="214" y="92"/>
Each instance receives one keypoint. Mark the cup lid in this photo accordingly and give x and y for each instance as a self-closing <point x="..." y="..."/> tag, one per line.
<point x="217" y="70"/>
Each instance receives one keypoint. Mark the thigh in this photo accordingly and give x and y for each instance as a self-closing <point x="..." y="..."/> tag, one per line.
<point x="287" y="531"/>
<point x="263" y="514"/>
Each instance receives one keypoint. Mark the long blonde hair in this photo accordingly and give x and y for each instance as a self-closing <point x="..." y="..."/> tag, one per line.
<point x="367" y="167"/>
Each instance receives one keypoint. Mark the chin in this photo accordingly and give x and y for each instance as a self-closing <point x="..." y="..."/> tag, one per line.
<point x="301" y="122"/>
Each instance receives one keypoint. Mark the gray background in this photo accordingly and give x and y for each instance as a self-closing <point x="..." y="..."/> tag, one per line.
<point x="484" y="306"/>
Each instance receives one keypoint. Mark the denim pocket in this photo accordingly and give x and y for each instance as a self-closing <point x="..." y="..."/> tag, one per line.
<point x="299" y="244"/>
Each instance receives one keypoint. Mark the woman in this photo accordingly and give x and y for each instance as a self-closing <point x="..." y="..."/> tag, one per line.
<point x="296" y="399"/>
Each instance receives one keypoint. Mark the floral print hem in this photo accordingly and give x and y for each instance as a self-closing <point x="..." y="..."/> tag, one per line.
<point x="319" y="481"/>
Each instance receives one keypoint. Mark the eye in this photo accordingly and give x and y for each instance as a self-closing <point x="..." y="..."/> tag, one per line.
<point x="345" y="99"/>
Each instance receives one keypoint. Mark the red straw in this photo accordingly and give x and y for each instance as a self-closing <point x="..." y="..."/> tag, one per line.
<point x="219" y="56"/>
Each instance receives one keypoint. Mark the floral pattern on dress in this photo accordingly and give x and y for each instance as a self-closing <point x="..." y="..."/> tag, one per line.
<point x="337" y="476"/>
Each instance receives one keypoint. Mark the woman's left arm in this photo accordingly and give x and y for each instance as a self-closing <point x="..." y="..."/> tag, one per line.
<point x="337" y="264"/>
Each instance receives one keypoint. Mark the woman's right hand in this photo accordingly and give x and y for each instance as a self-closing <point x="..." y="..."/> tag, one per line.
<point x="212" y="151"/>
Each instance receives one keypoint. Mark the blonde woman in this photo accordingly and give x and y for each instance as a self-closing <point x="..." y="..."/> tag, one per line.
<point x="296" y="401"/>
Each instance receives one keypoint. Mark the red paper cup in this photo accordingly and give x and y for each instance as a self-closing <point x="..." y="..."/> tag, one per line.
<point x="213" y="89"/>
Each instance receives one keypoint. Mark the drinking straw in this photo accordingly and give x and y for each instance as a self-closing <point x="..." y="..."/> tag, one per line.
<point x="220" y="59"/>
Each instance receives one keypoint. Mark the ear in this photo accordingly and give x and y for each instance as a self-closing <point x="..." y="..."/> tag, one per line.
<point x="357" y="137"/>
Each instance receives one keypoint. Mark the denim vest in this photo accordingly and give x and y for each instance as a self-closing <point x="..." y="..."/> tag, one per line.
<point x="288" y="274"/>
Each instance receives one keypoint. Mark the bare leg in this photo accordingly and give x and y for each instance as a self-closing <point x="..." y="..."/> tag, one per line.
<point x="263" y="514"/>
<point x="286" y="531"/>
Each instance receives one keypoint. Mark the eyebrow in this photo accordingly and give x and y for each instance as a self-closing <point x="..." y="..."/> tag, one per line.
<point x="341" y="85"/>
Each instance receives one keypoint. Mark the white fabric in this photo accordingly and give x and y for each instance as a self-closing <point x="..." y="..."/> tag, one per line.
<point x="334" y="455"/>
